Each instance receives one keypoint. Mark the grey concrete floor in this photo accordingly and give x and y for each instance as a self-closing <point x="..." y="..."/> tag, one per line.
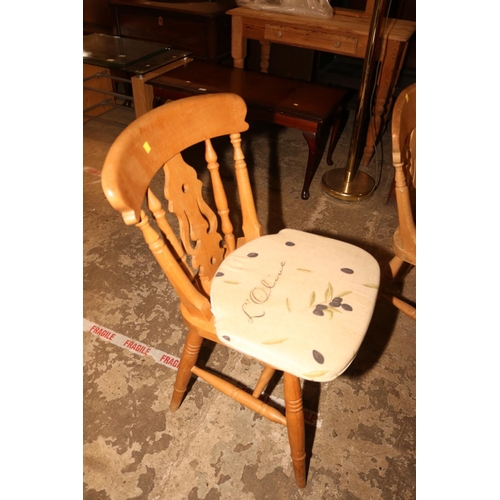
<point x="362" y="445"/>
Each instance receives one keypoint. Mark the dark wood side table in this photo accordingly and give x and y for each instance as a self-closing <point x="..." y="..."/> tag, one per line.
<point x="308" y="107"/>
<point x="200" y="27"/>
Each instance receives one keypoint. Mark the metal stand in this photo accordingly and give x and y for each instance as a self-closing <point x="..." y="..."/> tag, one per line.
<point x="335" y="184"/>
<point x="353" y="185"/>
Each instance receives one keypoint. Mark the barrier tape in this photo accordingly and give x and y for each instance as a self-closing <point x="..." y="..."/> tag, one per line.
<point x="120" y="340"/>
<point x="166" y="359"/>
<point x="92" y="171"/>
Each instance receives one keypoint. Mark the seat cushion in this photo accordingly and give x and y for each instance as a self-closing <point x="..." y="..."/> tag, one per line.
<point x="296" y="301"/>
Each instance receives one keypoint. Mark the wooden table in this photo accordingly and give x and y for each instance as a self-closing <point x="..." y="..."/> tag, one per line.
<point x="343" y="34"/>
<point x="108" y="58"/>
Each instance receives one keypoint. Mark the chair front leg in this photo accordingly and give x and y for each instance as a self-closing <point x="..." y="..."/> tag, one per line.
<point x="188" y="359"/>
<point x="295" y="427"/>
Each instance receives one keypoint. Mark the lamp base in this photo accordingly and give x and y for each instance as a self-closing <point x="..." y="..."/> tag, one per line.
<point x="359" y="188"/>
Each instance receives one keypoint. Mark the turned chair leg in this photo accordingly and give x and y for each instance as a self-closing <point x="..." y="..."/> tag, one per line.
<point x="188" y="359"/>
<point x="264" y="379"/>
<point x="403" y="306"/>
<point x="295" y="427"/>
<point x="392" y="269"/>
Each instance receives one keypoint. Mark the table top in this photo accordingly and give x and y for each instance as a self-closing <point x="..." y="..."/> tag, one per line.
<point x="117" y="52"/>
<point x="262" y="91"/>
<point x="396" y="29"/>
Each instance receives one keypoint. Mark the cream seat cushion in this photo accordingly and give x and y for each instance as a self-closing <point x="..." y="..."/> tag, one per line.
<point x="296" y="301"/>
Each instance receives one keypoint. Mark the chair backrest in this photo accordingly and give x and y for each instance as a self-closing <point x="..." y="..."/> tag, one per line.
<point x="404" y="157"/>
<point x="157" y="140"/>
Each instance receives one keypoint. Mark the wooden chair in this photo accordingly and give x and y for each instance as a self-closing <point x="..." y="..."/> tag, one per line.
<point x="294" y="301"/>
<point x="404" y="157"/>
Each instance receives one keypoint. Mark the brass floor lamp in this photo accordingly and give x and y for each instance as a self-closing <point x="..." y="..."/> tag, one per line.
<point x="351" y="184"/>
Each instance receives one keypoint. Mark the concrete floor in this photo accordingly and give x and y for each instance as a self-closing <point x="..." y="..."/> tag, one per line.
<point x="362" y="445"/>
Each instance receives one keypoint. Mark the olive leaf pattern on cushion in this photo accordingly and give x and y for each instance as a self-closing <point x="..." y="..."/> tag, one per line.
<point x="332" y="303"/>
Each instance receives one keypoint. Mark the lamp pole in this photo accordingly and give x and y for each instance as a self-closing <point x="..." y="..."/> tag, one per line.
<point x="352" y="184"/>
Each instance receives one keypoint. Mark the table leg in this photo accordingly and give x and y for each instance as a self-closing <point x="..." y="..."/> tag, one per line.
<point x="238" y="43"/>
<point x="389" y="74"/>
<point x="265" y="51"/>
<point x="339" y="122"/>
<point x="312" y="142"/>
<point x="143" y="96"/>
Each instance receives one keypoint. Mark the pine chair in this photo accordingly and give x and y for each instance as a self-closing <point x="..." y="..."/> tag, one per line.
<point x="404" y="157"/>
<point x="295" y="302"/>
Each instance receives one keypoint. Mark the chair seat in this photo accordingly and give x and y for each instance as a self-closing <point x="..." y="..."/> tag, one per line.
<point x="298" y="302"/>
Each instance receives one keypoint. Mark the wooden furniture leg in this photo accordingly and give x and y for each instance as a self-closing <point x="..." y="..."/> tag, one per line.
<point x="295" y="427"/>
<point x="188" y="360"/>
<point x="241" y="396"/>
<point x="393" y="268"/>
<point x="144" y="94"/>
<point x="238" y="42"/>
<point x="265" y="51"/>
<point x="264" y="379"/>
<point x="403" y="306"/>
<point x="312" y="142"/>
<point x="339" y="123"/>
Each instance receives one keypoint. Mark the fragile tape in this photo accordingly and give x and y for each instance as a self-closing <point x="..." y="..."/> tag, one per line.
<point x="166" y="359"/>
<point x="120" y="340"/>
<point x="92" y="171"/>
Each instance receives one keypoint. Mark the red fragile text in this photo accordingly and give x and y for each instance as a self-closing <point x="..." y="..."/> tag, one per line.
<point x="168" y="360"/>
<point x="102" y="332"/>
<point x="310" y="417"/>
<point x="134" y="346"/>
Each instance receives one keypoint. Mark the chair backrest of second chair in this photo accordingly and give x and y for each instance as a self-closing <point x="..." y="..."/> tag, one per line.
<point x="404" y="156"/>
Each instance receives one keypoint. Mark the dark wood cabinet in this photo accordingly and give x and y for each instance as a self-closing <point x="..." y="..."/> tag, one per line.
<point x="202" y="28"/>
<point x="98" y="17"/>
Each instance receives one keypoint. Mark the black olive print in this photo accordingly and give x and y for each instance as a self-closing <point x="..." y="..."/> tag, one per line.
<point x="252" y="254"/>
<point x="225" y="337"/>
<point x="347" y="270"/>
<point x="318" y="357"/>
<point x="333" y="305"/>
<point x="290" y="244"/>
<point x="219" y="273"/>
<point x="319" y="309"/>
<point x="336" y="302"/>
